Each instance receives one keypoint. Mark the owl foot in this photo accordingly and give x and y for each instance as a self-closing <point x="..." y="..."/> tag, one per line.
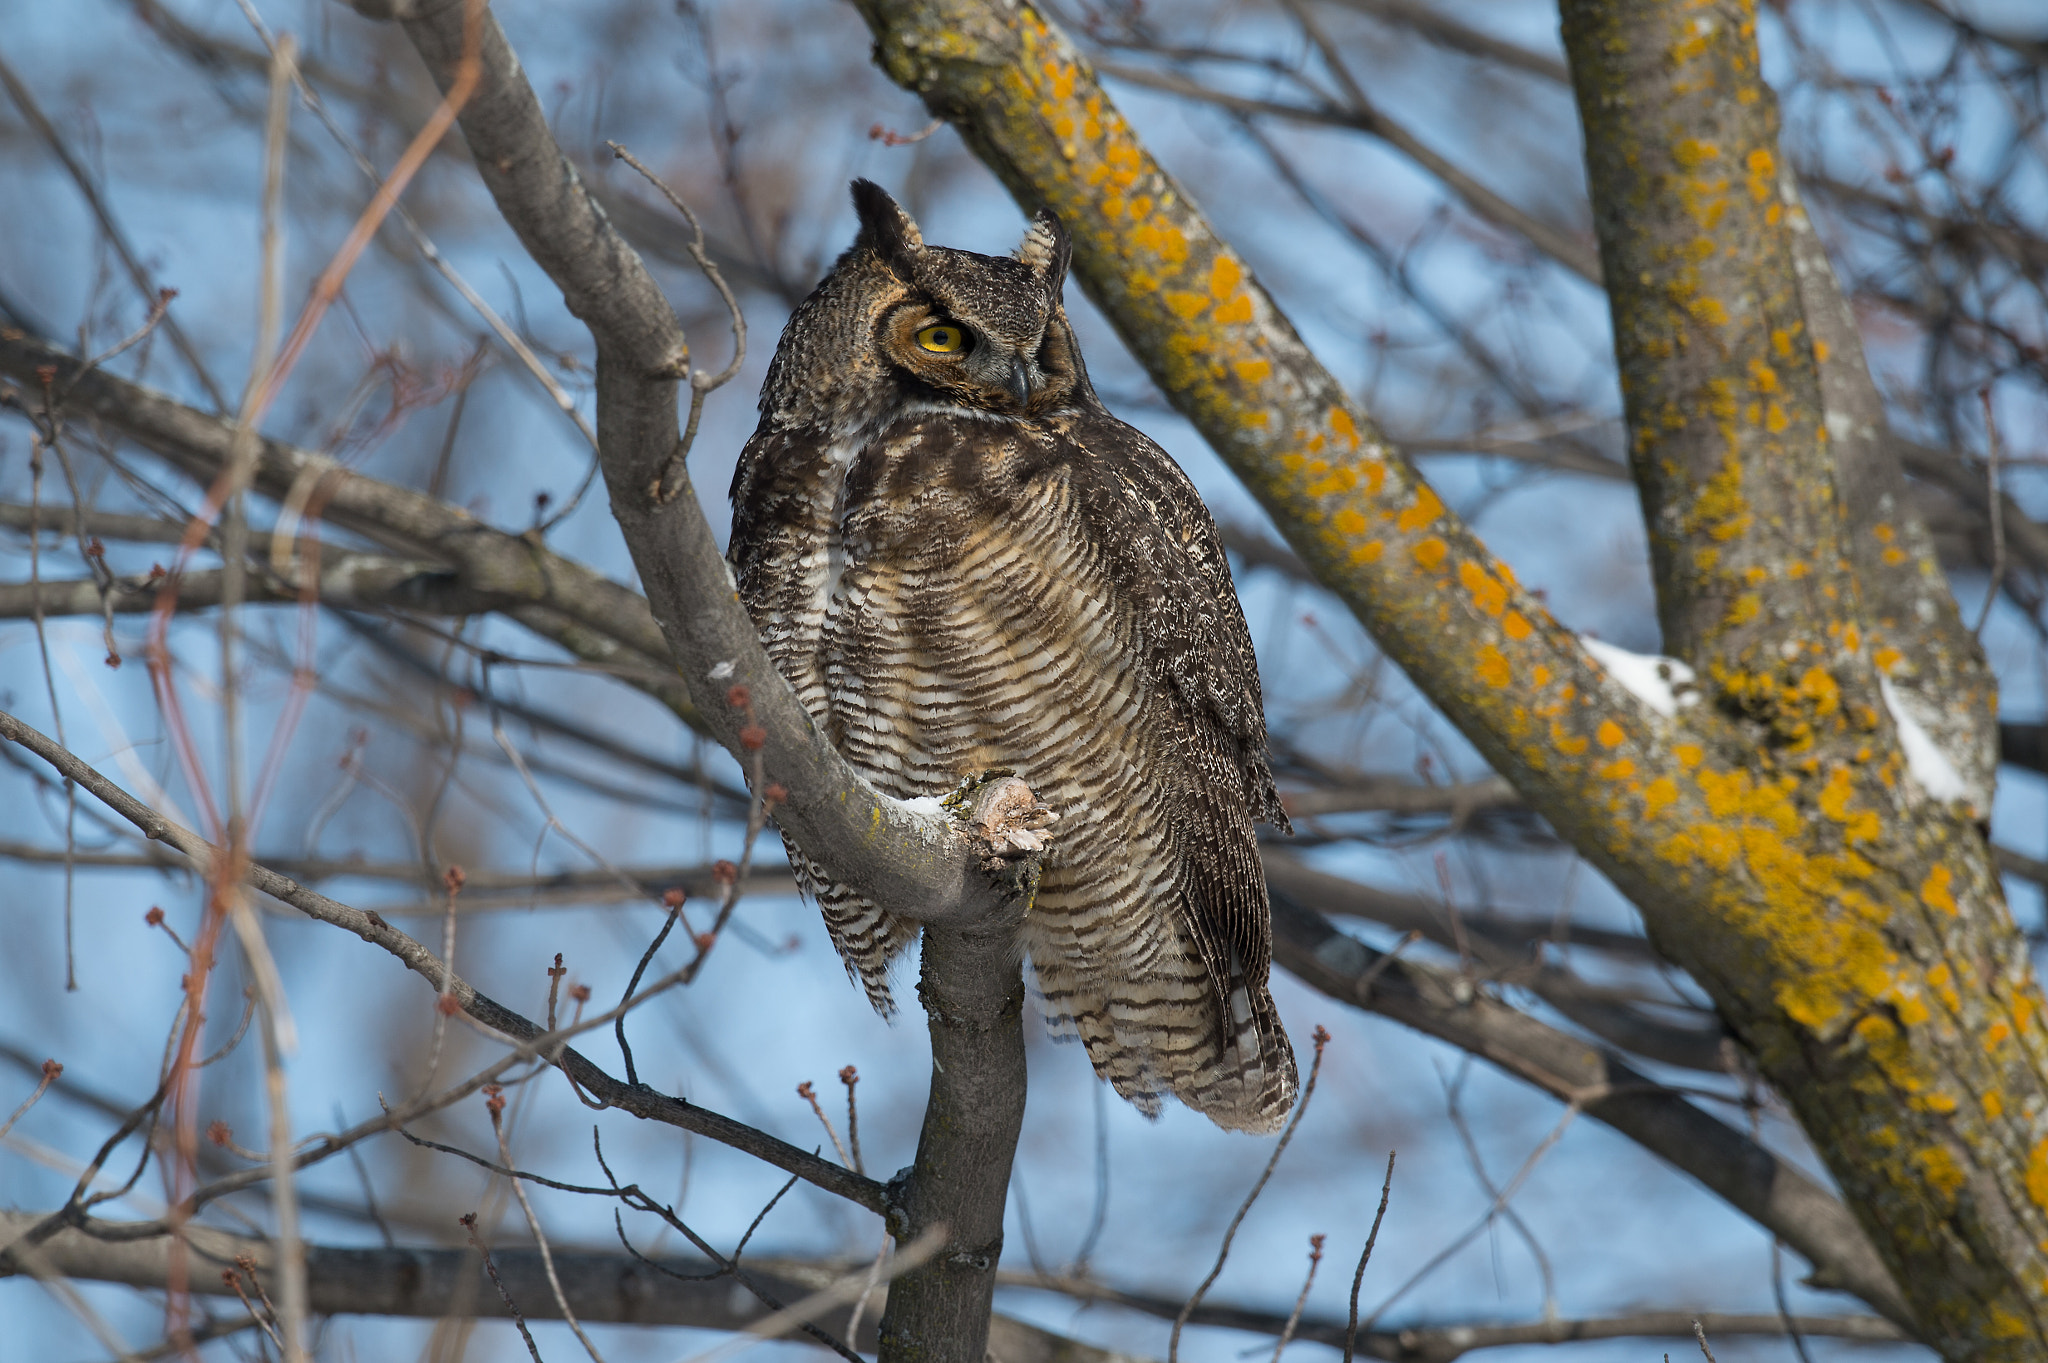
<point x="1003" y="815"/>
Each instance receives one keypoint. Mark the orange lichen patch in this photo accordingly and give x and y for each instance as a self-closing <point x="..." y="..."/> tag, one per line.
<point x="1852" y="638"/>
<point x="1186" y="306"/>
<point x="1570" y="744"/>
<point x="1659" y="796"/>
<point x="1348" y="522"/>
<point x="1820" y="351"/>
<point x="1994" y="1105"/>
<point x="1487" y="593"/>
<point x="1430" y="553"/>
<point x="1342" y="478"/>
<point x="1938" y="1164"/>
<point x="1253" y="371"/>
<point x="1720" y="509"/>
<point x="2037" y="1174"/>
<point x="1689" y="755"/>
<point x="1369" y="552"/>
<point x="1224" y="276"/>
<point x="1693" y="153"/>
<point x="1762" y="377"/>
<point x="1861" y="825"/>
<point x="1424" y="511"/>
<point x="1238" y="309"/>
<point x="1818" y="686"/>
<point x="1618" y="770"/>
<point x="1708" y="310"/>
<point x="1517" y="627"/>
<point x="1997" y="1034"/>
<point x="1493" y="667"/>
<point x="1610" y="734"/>
<point x="1935" y="892"/>
<point x="1763" y="170"/>
<point x="1810" y="911"/>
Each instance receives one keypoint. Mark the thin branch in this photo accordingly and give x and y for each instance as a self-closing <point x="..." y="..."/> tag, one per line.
<point x="33" y="113"/>
<point x="476" y="1243"/>
<point x="1365" y="1257"/>
<point x="638" y="1100"/>
<point x="1308" y="1091"/>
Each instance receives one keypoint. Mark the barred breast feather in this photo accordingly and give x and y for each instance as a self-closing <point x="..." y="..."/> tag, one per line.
<point x="952" y="591"/>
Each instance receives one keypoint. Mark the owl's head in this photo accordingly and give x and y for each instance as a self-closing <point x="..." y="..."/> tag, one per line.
<point x="899" y="326"/>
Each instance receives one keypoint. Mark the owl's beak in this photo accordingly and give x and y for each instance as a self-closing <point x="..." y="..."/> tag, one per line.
<point x="1019" y="381"/>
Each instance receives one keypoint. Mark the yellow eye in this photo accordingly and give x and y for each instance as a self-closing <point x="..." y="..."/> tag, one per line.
<point x="943" y="339"/>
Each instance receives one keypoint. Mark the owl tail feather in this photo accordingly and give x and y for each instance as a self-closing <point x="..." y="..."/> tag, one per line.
<point x="868" y="939"/>
<point x="1155" y="1039"/>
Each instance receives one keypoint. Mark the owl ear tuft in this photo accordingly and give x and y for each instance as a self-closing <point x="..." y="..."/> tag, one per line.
<point x="1046" y="248"/>
<point x="885" y="226"/>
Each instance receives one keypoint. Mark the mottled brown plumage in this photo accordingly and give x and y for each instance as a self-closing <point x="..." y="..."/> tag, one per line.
<point x="962" y="561"/>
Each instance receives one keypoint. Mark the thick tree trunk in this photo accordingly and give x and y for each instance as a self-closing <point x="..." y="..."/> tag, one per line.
<point x="973" y="993"/>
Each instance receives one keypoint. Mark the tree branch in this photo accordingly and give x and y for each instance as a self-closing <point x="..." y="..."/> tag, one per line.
<point x="1747" y="1176"/>
<point x="606" y="1287"/>
<point x="915" y="863"/>
<point x="639" y="1099"/>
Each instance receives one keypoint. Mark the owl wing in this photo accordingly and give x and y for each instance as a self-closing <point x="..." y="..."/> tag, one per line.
<point x="1161" y="549"/>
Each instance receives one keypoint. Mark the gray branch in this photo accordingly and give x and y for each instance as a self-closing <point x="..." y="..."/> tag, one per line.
<point x="1756" y="1182"/>
<point x="637" y="1099"/>
<point x="606" y="1287"/>
<point x="615" y="1288"/>
<point x="916" y="864"/>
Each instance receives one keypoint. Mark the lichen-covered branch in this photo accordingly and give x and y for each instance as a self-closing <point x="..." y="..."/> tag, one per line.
<point x="1917" y="1066"/>
<point x="1847" y="921"/>
<point x="1916" y="635"/>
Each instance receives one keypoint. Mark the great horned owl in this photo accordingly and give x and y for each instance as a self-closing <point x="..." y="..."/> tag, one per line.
<point x="961" y="561"/>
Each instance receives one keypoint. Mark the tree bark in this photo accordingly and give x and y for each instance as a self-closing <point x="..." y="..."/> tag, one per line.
<point x="972" y="989"/>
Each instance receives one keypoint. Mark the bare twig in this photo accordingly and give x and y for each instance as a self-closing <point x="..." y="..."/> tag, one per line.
<point x="1365" y="1257"/>
<point x="32" y="112"/>
<point x="1995" y="509"/>
<point x="849" y="1076"/>
<point x="1308" y="1090"/>
<point x="51" y="1069"/>
<point x="701" y="383"/>
<point x="1507" y="1192"/>
<point x="529" y="1038"/>
<point x="496" y="1104"/>
<point x="809" y="1094"/>
<point x="476" y="1242"/>
<point x="1315" y="1257"/>
<point x="839" y="1293"/>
